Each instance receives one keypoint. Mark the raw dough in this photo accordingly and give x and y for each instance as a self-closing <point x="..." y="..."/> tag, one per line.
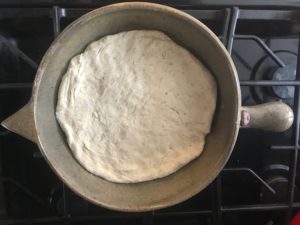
<point x="136" y="106"/>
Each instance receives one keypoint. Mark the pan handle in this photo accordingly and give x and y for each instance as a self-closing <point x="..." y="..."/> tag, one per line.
<point x="22" y="123"/>
<point x="273" y="116"/>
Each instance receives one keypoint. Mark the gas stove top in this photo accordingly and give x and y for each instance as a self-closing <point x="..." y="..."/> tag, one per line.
<point x="259" y="184"/>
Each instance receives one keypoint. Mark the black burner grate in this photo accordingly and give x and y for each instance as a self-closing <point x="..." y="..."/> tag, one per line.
<point x="229" y="18"/>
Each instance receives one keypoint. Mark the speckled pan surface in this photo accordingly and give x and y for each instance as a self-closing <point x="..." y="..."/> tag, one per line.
<point x="155" y="194"/>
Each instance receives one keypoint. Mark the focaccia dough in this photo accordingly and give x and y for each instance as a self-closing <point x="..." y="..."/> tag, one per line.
<point x="136" y="106"/>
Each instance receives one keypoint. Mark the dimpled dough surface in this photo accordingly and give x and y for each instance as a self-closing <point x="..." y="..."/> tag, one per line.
<point x="136" y="106"/>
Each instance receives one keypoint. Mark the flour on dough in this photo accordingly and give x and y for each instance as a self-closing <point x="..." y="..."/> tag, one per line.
<point x="136" y="106"/>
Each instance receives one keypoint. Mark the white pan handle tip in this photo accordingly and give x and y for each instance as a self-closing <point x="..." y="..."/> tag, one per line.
<point x="273" y="116"/>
